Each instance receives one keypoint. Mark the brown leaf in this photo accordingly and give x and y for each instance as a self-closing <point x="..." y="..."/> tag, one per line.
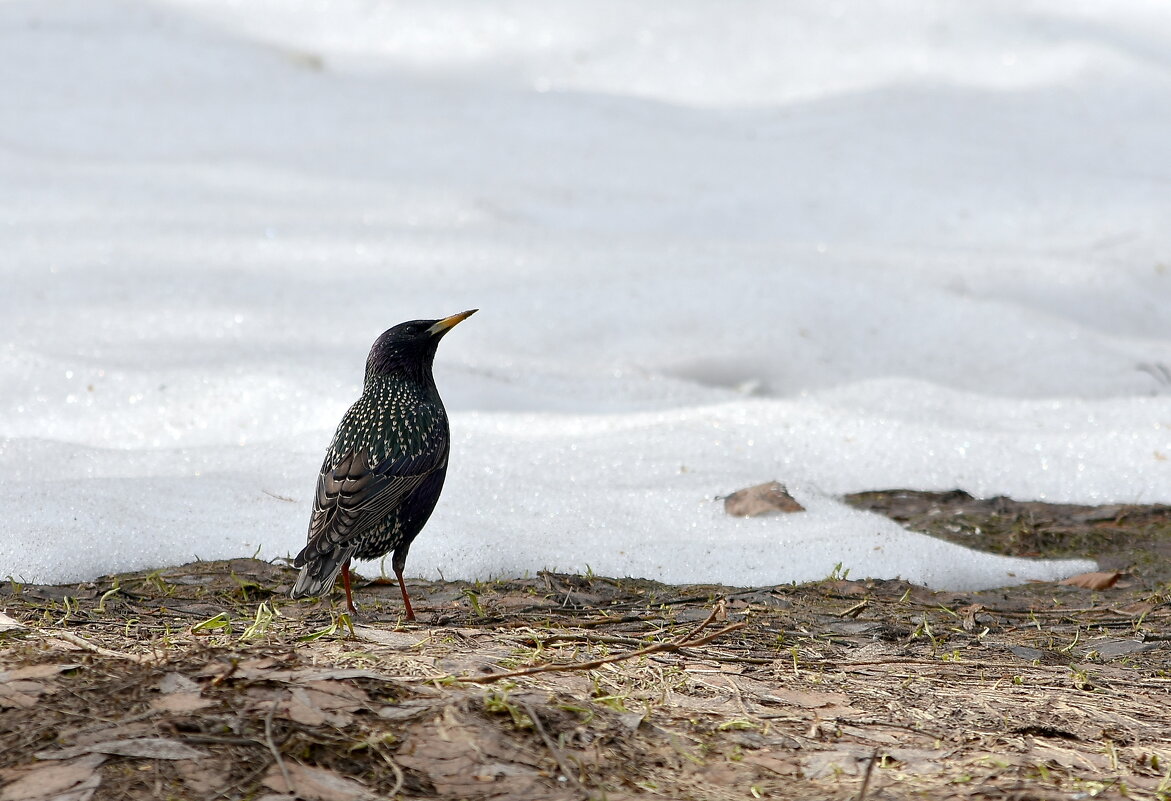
<point x="301" y="709"/>
<point x="1137" y="609"/>
<point x="20" y="694"/>
<point x="7" y="624"/>
<point x="319" y="674"/>
<point x="315" y="784"/>
<point x="470" y="759"/>
<point x="332" y="695"/>
<point x="777" y="764"/>
<point x="318" y="702"/>
<point x="763" y="499"/>
<point x="1093" y="581"/>
<point x="405" y="710"/>
<point x="177" y="683"/>
<point x="68" y="781"/>
<point x="1069" y="757"/>
<point x="203" y="778"/>
<point x="845" y="760"/>
<point x="398" y="640"/>
<point x="181" y="703"/>
<point x="35" y="672"/>
<point x="968" y="615"/>
<point x="807" y="699"/>
<point x="144" y="747"/>
<point x="16" y="689"/>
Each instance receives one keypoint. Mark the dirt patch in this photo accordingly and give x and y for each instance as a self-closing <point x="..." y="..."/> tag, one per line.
<point x="204" y="681"/>
<point x="1131" y="537"/>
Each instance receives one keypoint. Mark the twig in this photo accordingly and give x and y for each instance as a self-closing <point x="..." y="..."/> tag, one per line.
<point x="398" y="773"/>
<point x="555" y="751"/>
<point x="615" y="619"/>
<point x="271" y="494"/>
<point x="220" y="679"/>
<point x="855" y="610"/>
<point x="720" y="610"/>
<point x="606" y="639"/>
<point x="651" y="649"/>
<point x="73" y="639"/>
<point x="866" y="776"/>
<point x="276" y="754"/>
<point x="150" y="713"/>
<point x="238" y="786"/>
<point x="215" y="739"/>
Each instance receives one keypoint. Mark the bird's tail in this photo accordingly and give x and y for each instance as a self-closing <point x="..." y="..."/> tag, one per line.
<point x="319" y="571"/>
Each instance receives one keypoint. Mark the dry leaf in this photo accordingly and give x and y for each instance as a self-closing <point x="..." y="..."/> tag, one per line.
<point x="35" y="672"/>
<point x="763" y="499"/>
<point x="315" y="784"/>
<point x="181" y="703"/>
<point x="1069" y="757"/>
<point x="331" y="695"/>
<point x="470" y="758"/>
<point x="8" y="624"/>
<point x="16" y="689"/>
<point x="69" y="781"/>
<point x="631" y="720"/>
<point x="392" y="639"/>
<point x="1138" y="609"/>
<point x="1111" y="648"/>
<point x="203" y="778"/>
<point x="20" y="694"/>
<point x="807" y="699"/>
<point x="918" y="761"/>
<point x="177" y="683"/>
<point x="317" y="674"/>
<point x="320" y="702"/>
<point x="968" y="615"/>
<point x="846" y="760"/>
<point x="144" y="747"/>
<point x="405" y="710"/>
<point x="1093" y="581"/>
<point x="782" y="765"/>
<point x="300" y="709"/>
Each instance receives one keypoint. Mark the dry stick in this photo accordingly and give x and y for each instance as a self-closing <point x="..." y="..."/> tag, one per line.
<point x="651" y="649"/>
<point x="398" y="773"/>
<point x="150" y="713"/>
<point x="719" y="610"/>
<point x="70" y="637"/>
<point x="276" y="754"/>
<point x="556" y="752"/>
<point x="866" y="776"/>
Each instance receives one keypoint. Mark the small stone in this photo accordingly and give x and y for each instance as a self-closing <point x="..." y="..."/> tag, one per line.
<point x="763" y="499"/>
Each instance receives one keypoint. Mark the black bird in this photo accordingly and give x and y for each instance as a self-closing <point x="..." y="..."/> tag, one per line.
<point x="384" y="470"/>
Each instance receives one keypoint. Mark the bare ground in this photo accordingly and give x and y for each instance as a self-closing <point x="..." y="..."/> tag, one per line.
<point x="204" y="682"/>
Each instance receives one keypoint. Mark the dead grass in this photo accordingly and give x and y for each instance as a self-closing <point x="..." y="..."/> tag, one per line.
<point x="204" y="681"/>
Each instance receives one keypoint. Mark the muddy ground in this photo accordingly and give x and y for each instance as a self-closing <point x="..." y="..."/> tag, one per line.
<point x="205" y="682"/>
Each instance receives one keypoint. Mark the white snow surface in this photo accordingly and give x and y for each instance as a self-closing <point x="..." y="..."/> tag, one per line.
<point x="844" y="245"/>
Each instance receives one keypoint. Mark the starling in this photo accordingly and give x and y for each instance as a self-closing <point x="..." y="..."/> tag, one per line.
<point x="385" y="467"/>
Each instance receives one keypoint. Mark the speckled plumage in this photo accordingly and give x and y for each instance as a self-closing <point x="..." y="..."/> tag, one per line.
<point x="384" y="469"/>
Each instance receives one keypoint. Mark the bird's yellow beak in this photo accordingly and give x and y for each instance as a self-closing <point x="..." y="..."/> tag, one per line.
<point x="450" y="322"/>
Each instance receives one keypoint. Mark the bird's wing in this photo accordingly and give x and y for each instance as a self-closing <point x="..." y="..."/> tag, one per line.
<point x="352" y="495"/>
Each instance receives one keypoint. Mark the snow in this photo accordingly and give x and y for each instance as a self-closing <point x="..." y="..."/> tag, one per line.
<point x="846" y="246"/>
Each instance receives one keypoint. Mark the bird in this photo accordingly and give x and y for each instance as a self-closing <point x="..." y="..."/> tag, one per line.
<point x="385" y="467"/>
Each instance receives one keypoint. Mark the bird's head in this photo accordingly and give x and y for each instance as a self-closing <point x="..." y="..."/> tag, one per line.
<point x="410" y="347"/>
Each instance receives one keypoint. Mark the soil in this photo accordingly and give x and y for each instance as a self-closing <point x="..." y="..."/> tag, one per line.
<point x="204" y="681"/>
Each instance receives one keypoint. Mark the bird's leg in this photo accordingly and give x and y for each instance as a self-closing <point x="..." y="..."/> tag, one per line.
<point x="346" y="584"/>
<point x="398" y="563"/>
